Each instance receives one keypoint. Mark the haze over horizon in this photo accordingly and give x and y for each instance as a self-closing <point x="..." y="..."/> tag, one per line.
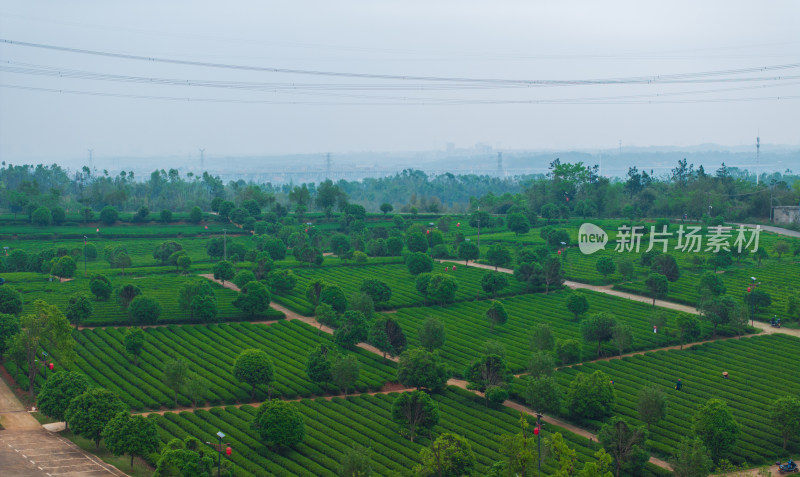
<point x="521" y="77"/>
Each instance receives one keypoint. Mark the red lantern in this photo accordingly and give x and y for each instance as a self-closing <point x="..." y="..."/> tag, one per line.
<point x="427" y="232"/>
<point x="749" y="289"/>
<point x="228" y="451"/>
<point x="51" y="366"/>
<point x="535" y="431"/>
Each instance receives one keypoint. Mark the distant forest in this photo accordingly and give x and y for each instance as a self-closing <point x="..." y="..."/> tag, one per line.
<point x="568" y="189"/>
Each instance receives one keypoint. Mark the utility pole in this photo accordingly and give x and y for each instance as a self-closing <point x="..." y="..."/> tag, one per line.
<point x="758" y="153"/>
<point x="202" y="160"/>
<point x="539" y="442"/>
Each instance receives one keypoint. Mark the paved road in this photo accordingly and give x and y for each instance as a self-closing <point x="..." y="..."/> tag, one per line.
<point x="776" y="230"/>
<point x="27" y="450"/>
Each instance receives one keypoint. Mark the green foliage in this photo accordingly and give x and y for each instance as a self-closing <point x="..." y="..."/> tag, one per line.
<point x="711" y="285"/>
<point x="468" y="251"/>
<point x="498" y="256"/>
<point x="10" y="300"/>
<point x="353" y="329"/>
<point x="100" y="287"/>
<point x="9" y="327"/>
<point x="64" y="267"/>
<point x="254" y="367"/>
<point x="88" y="413"/>
<point x="415" y="412"/>
<point x="591" y="396"/>
<point x="197" y="297"/>
<point x="496" y="314"/>
<point x="387" y="335"/>
<point x="132" y="435"/>
<point x="134" y="343"/>
<point x="487" y="371"/>
<point x="432" y="334"/>
<point x="784" y="414"/>
<point x="416" y="242"/>
<point x="652" y="405"/>
<point x="542" y="337"/>
<point x="442" y="288"/>
<point x="58" y="391"/>
<point x="420" y="369"/>
<point x="598" y="327"/>
<point x="144" y="310"/>
<point x="419" y="262"/>
<point x="543" y="394"/>
<point x="450" y="455"/>
<point x="42" y="217"/>
<point x="109" y="215"/>
<point x="665" y="264"/>
<point x="541" y="364"/>
<point x="518" y="224"/>
<point x="626" y="444"/>
<point x="282" y="281"/>
<point x="494" y="282"/>
<point x="658" y="285"/>
<point x="224" y="270"/>
<point x="176" y="372"/>
<point x="79" y="308"/>
<point x="715" y="426"/>
<point x="568" y="351"/>
<point x="165" y="250"/>
<point x="691" y="459"/>
<point x="253" y="299"/>
<point x="606" y="266"/>
<point x="319" y="364"/>
<point x="377" y="290"/>
<point x="126" y="294"/>
<point x="577" y="304"/>
<point x="345" y="371"/>
<point x="688" y="328"/>
<point x="279" y="424"/>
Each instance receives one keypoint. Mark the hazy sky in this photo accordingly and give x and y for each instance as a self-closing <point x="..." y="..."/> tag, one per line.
<point x="289" y="112"/>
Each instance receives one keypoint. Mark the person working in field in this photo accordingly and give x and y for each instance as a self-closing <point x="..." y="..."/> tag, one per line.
<point x="679" y="384"/>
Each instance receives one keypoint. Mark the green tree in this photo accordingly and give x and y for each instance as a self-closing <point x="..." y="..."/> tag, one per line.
<point x="494" y="282"/>
<point x="468" y="251"/>
<point x="165" y="249"/>
<point x="691" y="459"/>
<point x="100" y="287"/>
<point x="416" y="412"/>
<point x="281" y="281"/>
<point x="487" y="371"/>
<point x="57" y="392"/>
<point x="757" y="299"/>
<point x="132" y="435"/>
<point x="760" y="254"/>
<point x="88" y="413"/>
<point x="519" y="451"/>
<point x="176" y="372"/>
<point x="496" y="314"/>
<point x="9" y="328"/>
<point x="386" y="208"/>
<point x="420" y="369"/>
<point x="90" y="251"/>
<point x="195" y="387"/>
<point x="568" y="351"/>
<point x="658" y="285"/>
<point x="784" y="414"/>
<point x="183" y="458"/>
<point x="450" y="455"/>
<point x="279" y="423"/>
<point x="626" y="444"/>
<point x="780" y="247"/>
<point x="10" y="300"/>
<point x="577" y="304"/>
<point x="518" y="224"/>
<point x="622" y="335"/>
<point x="688" y="328"/>
<point x="626" y="269"/>
<point x="253" y="299"/>
<point x="718" y="310"/>
<point x="541" y="364"/>
<point x="195" y="215"/>
<point x="224" y="270"/>
<point x="345" y="371"/>
<point x="122" y="260"/>
<point x="416" y="241"/>
<point x="45" y="328"/>
<point x="59" y="215"/>
<point x="64" y="268"/>
<point x="498" y="256"/>
<point x="652" y="405"/>
<point x="419" y="262"/>
<point x="126" y="294"/>
<point x="552" y="273"/>
<point x="387" y="335"/>
<point x="356" y="462"/>
<point x="542" y="337"/>
<point x="711" y="285"/>
<point x="254" y="367"/>
<point x="144" y="310"/>
<point x="605" y="266"/>
<point x="353" y="329"/>
<point x="442" y="288"/>
<point x="543" y="394"/>
<point x="318" y="365"/>
<point x="333" y="295"/>
<point x="183" y="263"/>
<point x="190" y="291"/>
<point x="598" y="327"/>
<point x="313" y="291"/>
<point x="591" y="396"/>
<point x="665" y="264"/>
<point x="134" y="343"/>
<point x="716" y="427"/>
<point x="432" y="334"/>
<point x="78" y="309"/>
<point x="377" y="290"/>
<point x="42" y="217"/>
<point x="243" y="278"/>
<point x="109" y="215"/>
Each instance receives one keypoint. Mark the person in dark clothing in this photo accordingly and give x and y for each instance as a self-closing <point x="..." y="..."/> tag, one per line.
<point x="678" y="385"/>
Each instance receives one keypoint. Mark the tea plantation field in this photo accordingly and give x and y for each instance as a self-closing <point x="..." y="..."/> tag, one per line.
<point x="334" y="426"/>
<point x="164" y="288"/>
<point x="211" y="351"/>
<point x="402" y="283"/>
<point x="468" y="329"/>
<point x="762" y="369"/>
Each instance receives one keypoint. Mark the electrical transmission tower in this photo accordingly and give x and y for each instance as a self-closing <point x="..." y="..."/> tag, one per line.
<point x="202" y="160"/>
<point x="328" y="166"/>
<point x="500" y="164"/>
<point x="758" y="153"/>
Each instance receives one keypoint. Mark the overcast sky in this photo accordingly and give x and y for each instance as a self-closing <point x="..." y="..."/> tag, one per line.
<point x="499" y="40"/>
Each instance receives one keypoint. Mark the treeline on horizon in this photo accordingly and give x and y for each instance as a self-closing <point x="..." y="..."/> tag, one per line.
<point x="568" y="189"/>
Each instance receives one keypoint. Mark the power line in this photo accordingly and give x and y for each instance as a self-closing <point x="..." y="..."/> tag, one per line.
<point x="534" y="82"/>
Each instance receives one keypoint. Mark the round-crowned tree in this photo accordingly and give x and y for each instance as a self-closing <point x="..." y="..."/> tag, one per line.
<point x="279" y="423"/>
<point x="144" y="310"/>
<point x="254" y="367"/>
